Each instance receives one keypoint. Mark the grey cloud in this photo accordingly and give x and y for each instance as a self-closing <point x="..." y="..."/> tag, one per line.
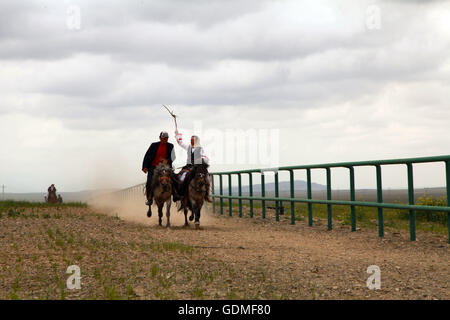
<point x="148" y="53"/>
<point x="334" y="88"/>
<point x="179" y="33"/>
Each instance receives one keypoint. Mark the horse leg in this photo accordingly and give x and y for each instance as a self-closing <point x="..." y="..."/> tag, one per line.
<point x="168" y="213"/>
<point x="197" y="217"/>
<point x="185" y="217"/>
<point x="192" y="212"/>
<point x="160" y="213"/>
<point x="149" y="212"/>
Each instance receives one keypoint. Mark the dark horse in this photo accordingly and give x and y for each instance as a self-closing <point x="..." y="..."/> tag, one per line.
<point x="193" y="191"/>
<point x="51" y="198"/>
<point x="162" y="191"/>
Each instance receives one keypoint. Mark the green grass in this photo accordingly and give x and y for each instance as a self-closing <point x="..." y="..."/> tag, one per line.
<point x="11" y="204"/>
<point x="17" y="209"/>
<point x="435" y="222"/>
<point x="428" y="216"/>
<point x="171" y="246"/>
<point x="111" y="292"/>
<point x="130" y="292"/>
<point x="233" y="295"/>
<point x="198" y="293"/>
<point x="155" y="270"/>
<point x="13" y="213"/>
<point x="36" y="210"/>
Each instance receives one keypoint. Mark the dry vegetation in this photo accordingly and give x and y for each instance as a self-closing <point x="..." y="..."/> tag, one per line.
<point x="124" y="255"/>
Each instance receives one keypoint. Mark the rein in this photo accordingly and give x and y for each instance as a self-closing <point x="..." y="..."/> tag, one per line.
<point x="164" y="178"/>
<point x="196" y="184"/>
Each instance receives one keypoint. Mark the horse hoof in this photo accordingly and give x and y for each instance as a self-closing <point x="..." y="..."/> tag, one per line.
<point x="191" y="218"/>
<point x="197" y="225"/>
<point x="168" y="225"/>
<point x="149" y="213"/>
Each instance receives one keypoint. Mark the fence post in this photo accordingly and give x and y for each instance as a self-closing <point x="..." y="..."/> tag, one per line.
<point x="213" y="194"/>
<point x="277" y="193"/>
<point x="263" y="194"/>
<point x="230" y="201"/>
<point x="250" y="186"/>
<point x="291" y="181"/>
<point x="221" y="193"/>
<point x="412" y="218"/>
<point x="380" y="200"/>
<point x="329" y="210"/>
<point x="240" y="194"/>
<point x="447" y="169"/>
<point x="308" y="187"/>
<point x="352" y="198"/>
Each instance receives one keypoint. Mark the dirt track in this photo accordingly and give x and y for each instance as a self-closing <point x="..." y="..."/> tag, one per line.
<point x="230" y="257"/>
<point x="324" y="264"/>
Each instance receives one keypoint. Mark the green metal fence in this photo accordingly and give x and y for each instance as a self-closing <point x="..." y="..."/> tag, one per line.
<point x="409" y="163"/>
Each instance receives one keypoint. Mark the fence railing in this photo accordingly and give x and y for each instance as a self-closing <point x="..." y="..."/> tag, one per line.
<point x="131" y="193"/>
<point x="409" y="166"/>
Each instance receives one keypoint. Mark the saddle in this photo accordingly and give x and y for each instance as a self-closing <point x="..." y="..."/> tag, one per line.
<point x="180" y="185"/>
<point x="183" y="170"/>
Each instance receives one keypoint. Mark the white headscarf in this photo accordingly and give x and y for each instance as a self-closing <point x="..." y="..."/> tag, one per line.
<point x="196" y="142"/>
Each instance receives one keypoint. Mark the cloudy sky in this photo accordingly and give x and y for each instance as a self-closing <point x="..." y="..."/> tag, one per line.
<point x="82" y="85"/>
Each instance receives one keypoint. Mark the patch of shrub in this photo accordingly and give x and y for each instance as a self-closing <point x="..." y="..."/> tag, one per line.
<point x="432" y="216"/>
<point x="13" y="213"/>
<point x="428" y="216"/>
<point x="359" y="215"/>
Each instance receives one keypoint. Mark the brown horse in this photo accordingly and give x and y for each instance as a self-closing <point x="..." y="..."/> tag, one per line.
<point x="162" y="191"/>
<point x="194" y="190"/>
<point x="52" y="198"/>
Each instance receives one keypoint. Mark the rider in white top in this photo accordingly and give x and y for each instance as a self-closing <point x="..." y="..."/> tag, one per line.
<point x="195" y="152"/>
<point x="195" y="155"/>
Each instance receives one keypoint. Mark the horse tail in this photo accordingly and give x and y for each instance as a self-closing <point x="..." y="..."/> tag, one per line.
<point x="181" y="206"/>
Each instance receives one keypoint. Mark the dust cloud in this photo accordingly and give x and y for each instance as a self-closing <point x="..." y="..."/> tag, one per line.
<point x="133" y="209"/>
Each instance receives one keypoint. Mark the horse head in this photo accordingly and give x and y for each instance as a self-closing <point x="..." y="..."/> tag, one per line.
<point x="164" y="175"/>
<point x="200" y="177"/>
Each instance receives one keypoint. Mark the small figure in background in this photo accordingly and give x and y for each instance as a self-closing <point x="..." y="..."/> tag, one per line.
<point x="51" y="198"/>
